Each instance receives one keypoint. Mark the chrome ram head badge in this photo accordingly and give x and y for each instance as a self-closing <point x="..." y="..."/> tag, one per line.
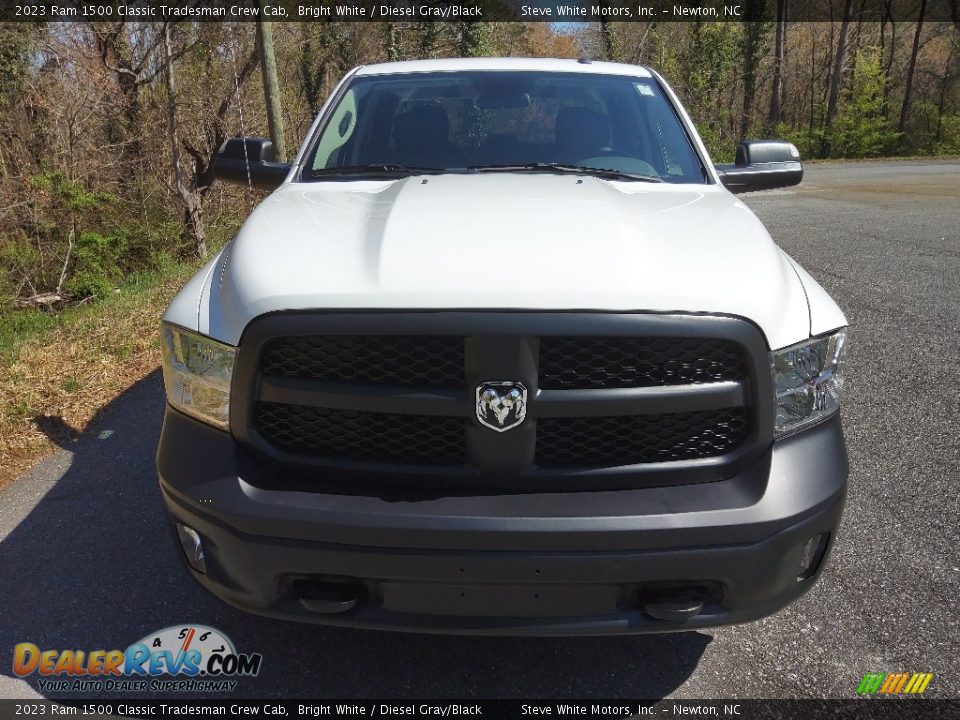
<point x="501" y="406"/>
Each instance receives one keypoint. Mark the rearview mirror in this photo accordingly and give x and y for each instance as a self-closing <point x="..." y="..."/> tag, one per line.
<point x="762" y="165"/>
<point x="243" y="160"/>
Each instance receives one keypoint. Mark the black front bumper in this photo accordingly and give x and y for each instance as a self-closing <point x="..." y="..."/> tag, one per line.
<point x="547" y="563"/>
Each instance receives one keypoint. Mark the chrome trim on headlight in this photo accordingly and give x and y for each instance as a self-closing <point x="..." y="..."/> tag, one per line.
<point x="197" y="372"/>
<point x="807" y="380"/>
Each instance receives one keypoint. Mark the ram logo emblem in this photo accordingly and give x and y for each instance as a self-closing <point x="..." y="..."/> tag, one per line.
<point x="501" y="406"/>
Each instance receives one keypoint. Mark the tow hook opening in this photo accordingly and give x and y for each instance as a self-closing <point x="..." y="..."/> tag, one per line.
<point x="329" y="597"/>
<point x="674" y="610"/>
<point x="674" y="604"/>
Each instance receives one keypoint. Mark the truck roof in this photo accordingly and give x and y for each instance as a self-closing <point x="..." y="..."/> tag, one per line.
<point x="530" y="64"/>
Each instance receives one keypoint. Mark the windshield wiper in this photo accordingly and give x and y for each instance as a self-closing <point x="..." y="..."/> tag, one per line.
<point x="375" y="169"/>
<point x="604" y="173"/>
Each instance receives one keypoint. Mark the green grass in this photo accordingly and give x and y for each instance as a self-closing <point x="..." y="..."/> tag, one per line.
<point x="20" y="325"/>
<point x="71" y="385"/>
<point x="17" y="326"/>
<point x="69" y="364"/>
<point x="20" y="410"/>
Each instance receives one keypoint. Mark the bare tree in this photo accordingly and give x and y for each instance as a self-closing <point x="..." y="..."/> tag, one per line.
<point x="608" y="39"/>
<point x="472" y="38"/>
<point x="215" y="130"/>
<point x="779" y="61"/>
<point x="193" y="210"/>
<point x="886" y="16"/>
<point x="753" y="32"/>
<point x="128" y="51"/>
<point x="836" y="76"/>
<point x="206" y="134"/>
<point x="392" y="39"/>
<point x="911" y="69"/>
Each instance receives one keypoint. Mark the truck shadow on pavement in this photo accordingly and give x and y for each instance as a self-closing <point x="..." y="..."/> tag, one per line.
<point x="92" y="566"/>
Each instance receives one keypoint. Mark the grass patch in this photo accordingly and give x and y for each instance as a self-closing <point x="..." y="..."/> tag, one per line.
<point x="65" y="366"/>
<point x="19" y="326"/>
<point x="70" y="385"/>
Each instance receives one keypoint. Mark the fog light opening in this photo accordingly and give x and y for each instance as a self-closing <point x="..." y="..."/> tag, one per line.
<point x="192" y="547"/>
<point x="813" y="551"/>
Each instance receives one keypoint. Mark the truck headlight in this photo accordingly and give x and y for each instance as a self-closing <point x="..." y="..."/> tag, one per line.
<point x="807" y="379"/>
<point x="196" y="373"/>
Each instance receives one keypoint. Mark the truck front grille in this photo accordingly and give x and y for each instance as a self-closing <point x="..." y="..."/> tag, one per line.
<point x="614" y="400"/>
<point x="348" y="435"/>
<point x="426" y="361"/>
<point x="631" y="440"/>
<point x="620" y="362"/>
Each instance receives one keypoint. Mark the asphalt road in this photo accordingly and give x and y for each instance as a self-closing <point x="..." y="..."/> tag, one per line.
<point x="86" y="561"/>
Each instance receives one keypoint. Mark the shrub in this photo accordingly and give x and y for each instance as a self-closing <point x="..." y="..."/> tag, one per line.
<point x="949" y="143"/>
<point x="97" y="264"/>
<point x="862" y="128"/>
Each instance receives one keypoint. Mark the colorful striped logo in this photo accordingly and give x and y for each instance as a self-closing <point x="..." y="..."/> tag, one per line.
<point x="894" y="683"/>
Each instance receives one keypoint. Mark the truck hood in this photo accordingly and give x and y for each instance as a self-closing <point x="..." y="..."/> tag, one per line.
<point x="504" y="242"/>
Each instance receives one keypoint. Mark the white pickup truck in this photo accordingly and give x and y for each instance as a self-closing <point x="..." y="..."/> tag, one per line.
<point x="503" y="353"/>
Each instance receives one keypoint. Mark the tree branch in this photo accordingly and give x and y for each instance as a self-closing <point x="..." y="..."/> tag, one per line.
<point x="248" y="67"/>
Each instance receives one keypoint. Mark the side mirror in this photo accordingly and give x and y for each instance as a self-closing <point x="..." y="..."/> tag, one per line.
<point x="254" y="155"/>
<point x="762" y="165"/>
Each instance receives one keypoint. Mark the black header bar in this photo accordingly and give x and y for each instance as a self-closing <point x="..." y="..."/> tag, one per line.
<point x="556" y="11"/>
<point x="874" y="708"/>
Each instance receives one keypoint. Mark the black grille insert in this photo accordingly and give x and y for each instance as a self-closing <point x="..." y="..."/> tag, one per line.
<point x="629" y="440"/>
<point x="568" y="363"/>
<point x="349" y="435"/>
<point x="419" y="361"/>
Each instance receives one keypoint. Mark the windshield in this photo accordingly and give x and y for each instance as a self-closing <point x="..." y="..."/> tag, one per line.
<point x="443" y="121"/>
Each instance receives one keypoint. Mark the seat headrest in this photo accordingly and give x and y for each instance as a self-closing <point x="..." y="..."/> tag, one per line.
<point x="581" y="130"/>
<point x="426" y="123"/>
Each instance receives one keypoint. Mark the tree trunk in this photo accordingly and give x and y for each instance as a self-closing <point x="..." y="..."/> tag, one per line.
<point x="123" y="128"/>
<point x="836" y="76"/>
<point x="750" y="49"/>
<point x="944" y="87"/>
<point x="608" y="41"/>
<point x="779" y="59"/>
<point x="205" y="158"/>
<point x="887" y="17"/>
<point x="193" y="213"/>
<point x="908" y="88"/>
<point x="392" y="40"/>
<point x="427" y="35"/>
<point x="640" y="46"/>
<point x="311" y="76"/>
<point x="473" y="39"/>
<point x="813" y="78"/>
<point x="271" y="90"/>
<point x="857" y="35"/>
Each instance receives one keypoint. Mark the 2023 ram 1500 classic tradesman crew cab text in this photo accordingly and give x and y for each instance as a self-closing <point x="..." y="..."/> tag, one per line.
<point x="503" y="353"/>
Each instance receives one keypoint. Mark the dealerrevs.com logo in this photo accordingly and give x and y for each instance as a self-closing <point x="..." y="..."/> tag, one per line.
<point x="184" y="658"/>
